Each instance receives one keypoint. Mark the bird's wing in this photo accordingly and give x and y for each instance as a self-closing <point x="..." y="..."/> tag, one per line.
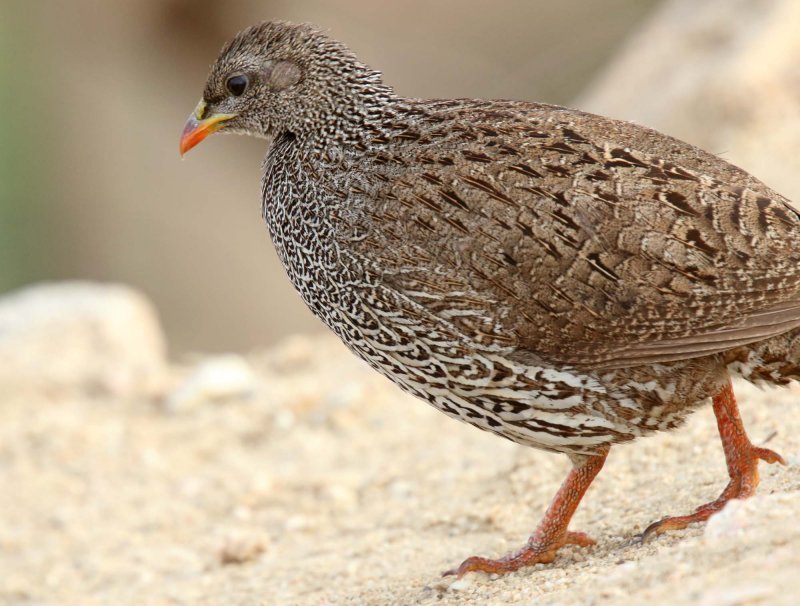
<point x="576" y="238"/>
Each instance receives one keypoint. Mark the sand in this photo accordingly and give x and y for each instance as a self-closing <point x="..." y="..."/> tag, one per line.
<point x="300" y="476"/>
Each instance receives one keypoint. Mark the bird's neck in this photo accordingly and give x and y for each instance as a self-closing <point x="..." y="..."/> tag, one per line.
<point x="352" y="117"/>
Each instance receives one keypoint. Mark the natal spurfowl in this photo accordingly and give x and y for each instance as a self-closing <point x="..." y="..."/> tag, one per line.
<point x="560" y="279"/>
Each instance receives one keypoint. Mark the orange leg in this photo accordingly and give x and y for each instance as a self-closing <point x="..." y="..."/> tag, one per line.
<point x="552" y="532"/>
<point x="742" y="459"/>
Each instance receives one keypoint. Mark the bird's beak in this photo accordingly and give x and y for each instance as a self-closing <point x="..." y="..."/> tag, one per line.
<point x="198" y="127"/>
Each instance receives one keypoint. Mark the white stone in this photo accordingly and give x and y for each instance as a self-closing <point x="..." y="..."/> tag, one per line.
<point x="460" y="584"/>
<point x="219" y="378"/>
<point x="81" y="335"/>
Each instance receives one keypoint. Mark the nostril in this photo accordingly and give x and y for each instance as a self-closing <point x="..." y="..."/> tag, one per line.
<point x="201" y="111"/>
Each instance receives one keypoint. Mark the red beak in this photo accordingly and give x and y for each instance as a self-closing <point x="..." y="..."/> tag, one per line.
<point x="198" y="128"/>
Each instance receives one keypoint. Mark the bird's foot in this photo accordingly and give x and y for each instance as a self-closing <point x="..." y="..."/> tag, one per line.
<point x="744" y="480"/>
<point x="552" y="533"/>
<point x="535" y="552"/>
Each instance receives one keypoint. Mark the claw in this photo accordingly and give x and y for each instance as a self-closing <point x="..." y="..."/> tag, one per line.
<point x="742" y="459"/>
<point x="552" y="533"/>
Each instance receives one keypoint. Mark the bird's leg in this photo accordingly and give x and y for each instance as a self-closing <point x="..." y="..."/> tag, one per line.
<point x="742" y="459"/>
<point x="552" y="533"/>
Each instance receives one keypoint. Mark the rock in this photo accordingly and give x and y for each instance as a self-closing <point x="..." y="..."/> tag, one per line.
<point x="739" y="595"/>
<point x="767" y="516"/>
<point x="460" y="584"/>
<point x="218" y="378"/>
<point x="81" y="335"/>
<point x="241" y="547"/>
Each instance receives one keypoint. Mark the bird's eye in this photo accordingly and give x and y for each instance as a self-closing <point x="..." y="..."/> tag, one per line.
<point x="237" y="84"/>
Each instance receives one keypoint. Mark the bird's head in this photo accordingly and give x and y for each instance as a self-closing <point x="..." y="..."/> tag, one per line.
<point x="279" y="77"/>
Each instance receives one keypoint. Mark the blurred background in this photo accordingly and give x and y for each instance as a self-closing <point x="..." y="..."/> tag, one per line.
<point x="95" y="94"/>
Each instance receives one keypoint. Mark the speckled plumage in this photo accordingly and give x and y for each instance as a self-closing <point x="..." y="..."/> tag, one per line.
<point x="563" y="280"/>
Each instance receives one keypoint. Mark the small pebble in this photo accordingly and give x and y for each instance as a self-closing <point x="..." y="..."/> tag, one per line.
<point x="219" y="378"/>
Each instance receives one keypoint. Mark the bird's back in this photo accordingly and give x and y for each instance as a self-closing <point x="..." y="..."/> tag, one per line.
<point x="566" y="236"/>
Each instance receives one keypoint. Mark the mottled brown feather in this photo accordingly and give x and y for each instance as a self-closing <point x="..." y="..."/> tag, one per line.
<point x="644" y="256"/>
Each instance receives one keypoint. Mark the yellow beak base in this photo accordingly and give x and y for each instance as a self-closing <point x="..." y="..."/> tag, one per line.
<point x="198" y="128"/>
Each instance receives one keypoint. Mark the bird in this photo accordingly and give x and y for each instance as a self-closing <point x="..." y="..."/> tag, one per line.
<point x="563" y="280"/>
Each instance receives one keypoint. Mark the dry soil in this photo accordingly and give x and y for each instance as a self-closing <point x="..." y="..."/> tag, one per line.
<point x="315" y="481"/>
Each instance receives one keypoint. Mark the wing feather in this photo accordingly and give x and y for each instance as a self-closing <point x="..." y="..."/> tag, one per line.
<point x="580" y="239"/>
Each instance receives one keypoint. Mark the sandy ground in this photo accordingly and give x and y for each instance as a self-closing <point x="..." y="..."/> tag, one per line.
<point x="326" y="485"/>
